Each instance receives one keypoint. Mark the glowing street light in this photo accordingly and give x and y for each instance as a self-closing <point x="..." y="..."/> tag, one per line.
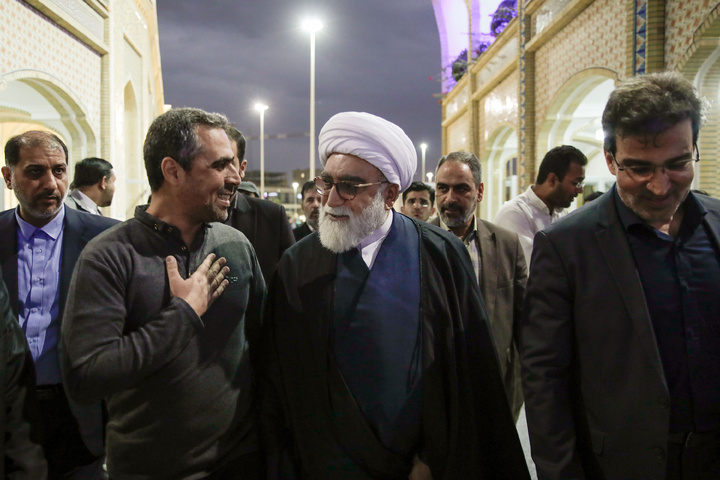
<point x="295" y="186"/>
<point x="423" y="149"/>
<point x="261" y="108"/>
<point x="312" y="25"/>
<point x="429" y="176"/>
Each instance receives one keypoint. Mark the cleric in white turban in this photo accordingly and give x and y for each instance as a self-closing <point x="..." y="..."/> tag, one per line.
<point x="377" y="360"/>
<point x="375" y="140"/>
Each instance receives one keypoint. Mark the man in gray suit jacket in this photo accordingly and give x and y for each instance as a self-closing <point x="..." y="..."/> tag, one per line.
<point x="40" y="241"/>
<point x="496" y="254"/>
<point x="620" y="334"/>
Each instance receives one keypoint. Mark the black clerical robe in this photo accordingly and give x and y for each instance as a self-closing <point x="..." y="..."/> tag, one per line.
<point x="308" y="430"/>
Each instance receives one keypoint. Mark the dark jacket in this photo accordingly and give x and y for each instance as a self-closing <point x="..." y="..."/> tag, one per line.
<point x="503" y="277"/>
<point x="21" y="456"/>
<point x="266" y="225"/>
<point x="595" y="391"/>
<point x="79" y="229"/>
<point x="468" y="430"/>
<point x="302" y="231"/>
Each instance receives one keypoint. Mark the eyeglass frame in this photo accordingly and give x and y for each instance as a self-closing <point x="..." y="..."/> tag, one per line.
<point x="423" y="202"/>
<point x="631" y="169"/>
<point x="332" y="184"/>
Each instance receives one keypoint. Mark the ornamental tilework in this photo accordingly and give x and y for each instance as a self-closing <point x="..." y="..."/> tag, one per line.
<point x="500" y="106"/>
<point x="28" y="44"/>
<point x="682" y="20"/>
<point x="592" y="39"/>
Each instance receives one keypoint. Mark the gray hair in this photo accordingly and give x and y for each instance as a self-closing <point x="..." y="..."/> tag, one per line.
<point x="468" y="159"/>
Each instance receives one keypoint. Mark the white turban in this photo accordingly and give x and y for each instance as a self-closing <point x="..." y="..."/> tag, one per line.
<point x="375" y="140"/>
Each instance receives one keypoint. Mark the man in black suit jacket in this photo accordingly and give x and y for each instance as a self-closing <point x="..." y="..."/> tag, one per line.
<point x="311" y="202"/>
<point x="21" y="456"/>
<point x="36" y="169"/>
<point x="263" y="222"/>
<point x="619" y="338"/>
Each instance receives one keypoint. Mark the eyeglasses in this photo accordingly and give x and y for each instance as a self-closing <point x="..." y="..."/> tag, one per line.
<point x="578" y="185"/>
<point x="645" y="172"/>
<point x="346" y="190"/>
<point x="422" y="202"/>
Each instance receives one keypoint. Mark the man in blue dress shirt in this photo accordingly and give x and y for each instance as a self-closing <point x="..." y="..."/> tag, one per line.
<point x="40" y="241"/>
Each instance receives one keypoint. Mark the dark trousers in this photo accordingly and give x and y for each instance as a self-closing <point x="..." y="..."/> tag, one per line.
<point x="246" y="467"/>
<point x="64" y="448"/>
<point x="697" y="457"/>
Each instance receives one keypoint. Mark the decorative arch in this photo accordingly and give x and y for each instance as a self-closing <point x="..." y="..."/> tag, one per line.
<point x="500" y="174"/>
<point x="574" y="118"/>
<point x="134" y="191"/>
<point x="53" y="105"/>
<point x="701" y="65"/>
<point x="33" y="99"/>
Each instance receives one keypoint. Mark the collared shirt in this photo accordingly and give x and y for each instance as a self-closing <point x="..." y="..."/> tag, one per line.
<point x="681" y="282"/>
<point x="85" y="202"/>
<point x="472" y="243"/>
<point x="39" y="255"/>
<point x="370" y="245"/>
<point x="526" y="215"/>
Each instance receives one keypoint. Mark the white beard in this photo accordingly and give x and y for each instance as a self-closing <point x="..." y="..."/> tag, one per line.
<point x="342" y="236"/>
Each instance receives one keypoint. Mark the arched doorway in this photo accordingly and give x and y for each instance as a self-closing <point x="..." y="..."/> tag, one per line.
<point x="500" y="175"/>
<point x="574" y="118"/>
<point x="703" y="68"/>
<point x="31" y="99"/>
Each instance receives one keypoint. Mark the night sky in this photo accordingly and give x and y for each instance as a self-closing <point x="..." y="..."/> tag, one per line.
<point x="371" y="55"/>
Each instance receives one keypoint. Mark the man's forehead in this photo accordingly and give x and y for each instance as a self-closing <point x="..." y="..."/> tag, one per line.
<point x="418" y="194"/>
<point x="36" y="153"/>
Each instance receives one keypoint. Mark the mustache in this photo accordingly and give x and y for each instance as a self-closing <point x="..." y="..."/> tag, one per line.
<point x="228" y="189"/>
<point x="51" y="194"/>
<point x="341" y="210"/>
<point x="450" y="206"/>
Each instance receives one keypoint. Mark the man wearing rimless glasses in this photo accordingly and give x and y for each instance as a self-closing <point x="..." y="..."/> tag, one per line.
<point x="418" y="200"/>
<point x="620" y="335"/>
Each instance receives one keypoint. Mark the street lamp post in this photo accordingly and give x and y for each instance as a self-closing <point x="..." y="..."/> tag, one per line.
<point x="312" y="26"/>
<point x="261" y="108"/>
<point x="295" y="186"/>
<point x="423" y="149"/>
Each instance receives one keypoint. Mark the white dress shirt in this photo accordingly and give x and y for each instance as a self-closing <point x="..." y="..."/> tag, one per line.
<point x="526" y="215"/>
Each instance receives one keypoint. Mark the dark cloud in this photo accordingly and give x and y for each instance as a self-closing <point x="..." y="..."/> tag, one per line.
<point x="372" y="55"/>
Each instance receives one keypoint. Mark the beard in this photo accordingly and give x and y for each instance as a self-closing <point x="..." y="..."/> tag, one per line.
<point x="639" y="203"/>
<point x="460" y="218"/>
<point x="211" y="212"/>
<point x="341" y="236"/>
<point x="314" y="218"/>
<point x="34" y="206"/>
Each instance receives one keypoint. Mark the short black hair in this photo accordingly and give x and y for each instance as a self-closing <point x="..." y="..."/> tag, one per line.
<point x="90" y="171"/>
<point x="558" y="161"/>
<point x="419" y="187"/>
<point x="236" y="136"/>
<point x="29" y="139"/>
<point x="307" y="186"/>
<point x="592" y="196"/>
<point x="174" y="134"/>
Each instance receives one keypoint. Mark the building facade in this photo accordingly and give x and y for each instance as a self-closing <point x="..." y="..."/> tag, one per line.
<point x="546" y="77"/>
<point x="89" y="71"/>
